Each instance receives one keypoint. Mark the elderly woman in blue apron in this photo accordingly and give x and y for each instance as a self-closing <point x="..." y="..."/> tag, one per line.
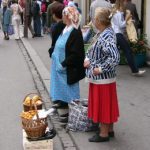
<point x="67" y="60"/>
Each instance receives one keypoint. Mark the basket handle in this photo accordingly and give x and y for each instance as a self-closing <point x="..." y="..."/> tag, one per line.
<point x="31" y="98"/>
<point x="30" y="104"/>
<point x="30" y="94"/>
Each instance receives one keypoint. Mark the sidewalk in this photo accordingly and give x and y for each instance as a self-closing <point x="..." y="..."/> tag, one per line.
<point x="132" y="130"/>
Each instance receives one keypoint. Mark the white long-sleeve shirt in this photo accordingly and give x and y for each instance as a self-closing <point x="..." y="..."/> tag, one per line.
<point x="118" y="22"/>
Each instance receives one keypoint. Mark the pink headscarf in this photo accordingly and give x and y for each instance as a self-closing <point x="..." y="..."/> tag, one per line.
<point x="74" y="15"/>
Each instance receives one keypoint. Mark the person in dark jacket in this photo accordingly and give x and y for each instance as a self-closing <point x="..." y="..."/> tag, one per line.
<point x="67" y="60"/>
<point x="59" y="26"/>
<point x="49" y="18"/>
<point x="44" y="6"/>
<point x="36" y="13"/>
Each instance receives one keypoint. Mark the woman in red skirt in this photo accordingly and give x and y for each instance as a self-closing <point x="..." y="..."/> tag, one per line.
<point x="100" y="63"/>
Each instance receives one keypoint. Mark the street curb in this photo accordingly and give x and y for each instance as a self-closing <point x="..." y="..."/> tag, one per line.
<point x="40" y="67"/>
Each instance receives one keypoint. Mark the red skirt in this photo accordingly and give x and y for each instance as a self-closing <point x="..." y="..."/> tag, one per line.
<point x="103" y="103"/>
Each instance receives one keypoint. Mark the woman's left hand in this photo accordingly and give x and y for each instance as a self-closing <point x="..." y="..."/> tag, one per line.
<point x="96" y="71"/>
<point x="86" y="64"/>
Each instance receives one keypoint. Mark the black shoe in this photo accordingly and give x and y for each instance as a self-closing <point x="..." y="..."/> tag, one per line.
<point x="7" y="38"/>
<point x="39" y="35"/>
<point x="111" y="134"/>
<point x="56" y="101"/>
<point x="60" y="105"/>
<point x="98" y="138"/>
<point x="64" y="115"/>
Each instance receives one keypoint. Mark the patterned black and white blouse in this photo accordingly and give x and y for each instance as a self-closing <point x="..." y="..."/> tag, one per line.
<point x="104" y="55"/>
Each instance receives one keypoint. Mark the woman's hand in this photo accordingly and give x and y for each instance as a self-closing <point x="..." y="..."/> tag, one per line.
<point x="96" y="71"/>
<point x="86" y="64"/>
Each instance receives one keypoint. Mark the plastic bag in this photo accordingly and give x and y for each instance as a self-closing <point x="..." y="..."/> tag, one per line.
<point x="78" y="119"/>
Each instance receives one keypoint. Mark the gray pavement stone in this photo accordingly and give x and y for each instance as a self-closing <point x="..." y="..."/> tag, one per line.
<point x="68" y="144"/>
<point x="71" y="148"/>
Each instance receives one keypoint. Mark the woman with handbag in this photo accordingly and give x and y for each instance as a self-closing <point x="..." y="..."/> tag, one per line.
<point x="100" y="63"/>
<point x="119" y="25"/>
<point x="5" y="14"/>
<point x="67" y="60"/>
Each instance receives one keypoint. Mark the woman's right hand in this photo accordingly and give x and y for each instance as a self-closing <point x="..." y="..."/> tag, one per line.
<point x="86" y="63"/>
<point x="60" y="68"/>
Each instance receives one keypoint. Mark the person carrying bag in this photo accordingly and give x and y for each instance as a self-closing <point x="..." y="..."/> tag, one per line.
<point x="130" y="28"/>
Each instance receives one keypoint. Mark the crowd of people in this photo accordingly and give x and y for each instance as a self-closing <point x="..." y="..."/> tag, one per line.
<point x="70" y="64"/>
<point x="38" y="12"/>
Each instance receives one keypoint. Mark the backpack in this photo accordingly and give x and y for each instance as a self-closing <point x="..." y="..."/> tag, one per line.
<point x="43" y="8"/>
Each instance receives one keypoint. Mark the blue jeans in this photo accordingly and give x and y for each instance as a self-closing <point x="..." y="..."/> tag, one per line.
<point x="37" y="25"/>
<point x="124" y="45"/>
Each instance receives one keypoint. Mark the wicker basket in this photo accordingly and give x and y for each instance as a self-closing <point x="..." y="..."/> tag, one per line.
<point x="35" y="128"/>
<point x="31" y="107"/>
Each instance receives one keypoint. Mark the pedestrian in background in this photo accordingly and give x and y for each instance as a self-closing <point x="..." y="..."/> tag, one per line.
<point x="77" y="6"/>
<point x="100" y="63"/>
<point x="67" y="61"/>
<point x="50" y="21"/>
<point x="135" y="17"/>
<point x="71" y="3"/>
<point x="0" y="3"/>
<point x="29" y="17"/>
<point x="57" y="16"/>
<point x="65" y="2"/>
<point x="5" y="16"/>
<point x="16" y="19"/>
<point x="36" y="13"/>
<point x="98" y="3"/>
<point x="44" y="13"/>
<point x="119" y="25"/>
<point x="39" y="2"/>
<point x="22" y="4"/>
